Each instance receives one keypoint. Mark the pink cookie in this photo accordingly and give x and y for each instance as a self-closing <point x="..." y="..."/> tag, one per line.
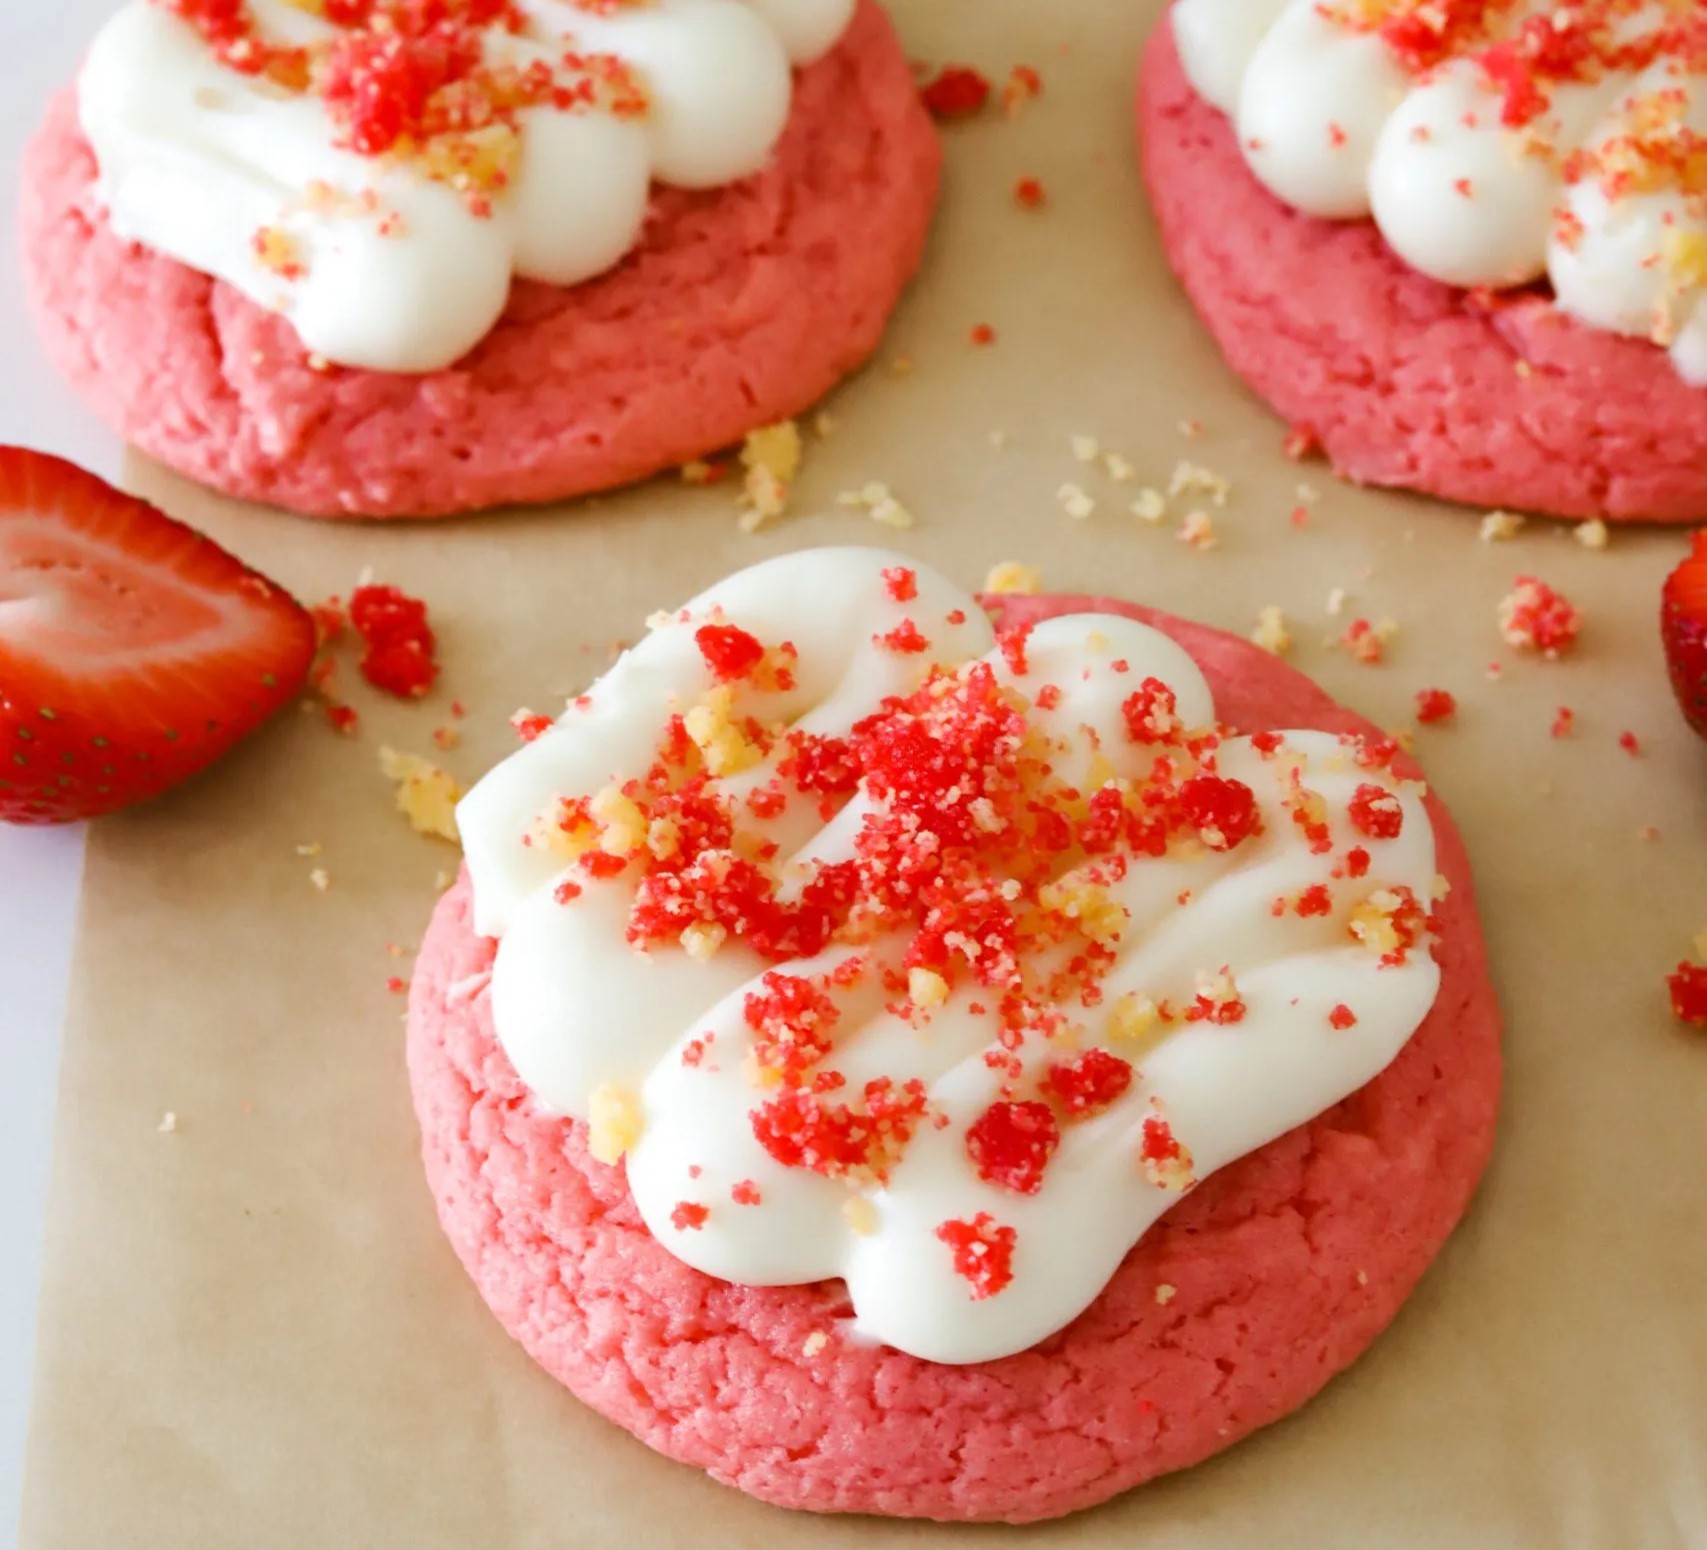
<point x="1402" y="380"/>
<point x="742" y="307"/>
<point x="1284" y="1266"/>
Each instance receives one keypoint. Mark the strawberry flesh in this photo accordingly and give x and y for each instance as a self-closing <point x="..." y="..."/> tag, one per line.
<point x="1683" y="626"/>
<point x="133" y="650"/>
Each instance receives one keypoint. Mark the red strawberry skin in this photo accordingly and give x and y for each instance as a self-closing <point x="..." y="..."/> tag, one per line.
<point x="1683" y="624"/>
<point x="133" y="650"/>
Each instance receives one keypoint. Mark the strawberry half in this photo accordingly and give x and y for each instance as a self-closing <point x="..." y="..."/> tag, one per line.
<point x="133" y="651"/>
<point x="1683" y="626"/>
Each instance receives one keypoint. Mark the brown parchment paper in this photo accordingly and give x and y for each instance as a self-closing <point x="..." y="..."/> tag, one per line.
<point x="251" y="1332"/>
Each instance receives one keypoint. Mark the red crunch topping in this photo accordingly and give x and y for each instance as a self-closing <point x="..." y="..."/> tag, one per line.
<point x="1342" y="1017"/>
<point x="1159" y="1144"/>
<point x="689" y="1216"/>
<point x="905" y="639"/>
<point x="1688" y="986"/>
<point x="1533" y="617"/>
<point x="1010" y="1145"/>
<point x="955" y="91"/>
<point x="983" y="1253"/>
<point x="529" y="725"/>
<point x="731" y="653"/>
<point x="1087" y="1084"/>
<point x="901" y="583"/>
<point x="1435" y="705"/>
<point x="1375" y="811"/>
<point x="975" y="867"/>
<point x="399" y="642"/>
<point x="409" y="79"/>
<point x="744" y="1192"/>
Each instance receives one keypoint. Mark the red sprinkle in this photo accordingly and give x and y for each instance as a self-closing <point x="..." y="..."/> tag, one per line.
<point x="1688" y="986"/>
<point x="983" y="334"/>
<point x="901" y="583"/>
<point x="1030" y="194"/>
<point x="396" y="986"/>
<point x="1151" y="713"/>
<point x="1628" y="742"/>
<point x="1376" y="812"/>
<point x="1435" y="705"/>
<point x="1010" y="1145"/>
<point x="342" y="719"/>
<point x="983" y="1253"/>
<point x="1565" y="722"/>
<point x="1342" y="1017"/>
<point x="729" y="651"/>
<point x="1224" y="812"/>
<point x="689" y="1216"/>
<point x="530" y="725"/>
<point x="1089" y="1084"/>
<point x="745" y="1193"/>
<point x="400" y="644"/>
<point x="566" y="892"/>
<point x="904" y="639"/>
<point x="956" y="91"/>
<point x="1159" y="1144"/>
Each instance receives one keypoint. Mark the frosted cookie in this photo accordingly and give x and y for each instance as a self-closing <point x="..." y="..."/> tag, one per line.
<point x="1462" y="247"/>
<point x="901" y="1071"/>
<point x="356" y="265"/>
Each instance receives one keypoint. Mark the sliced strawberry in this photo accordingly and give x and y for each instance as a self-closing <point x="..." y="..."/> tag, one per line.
<point x="133" y="651"/>
<point x="1683" y="626"/>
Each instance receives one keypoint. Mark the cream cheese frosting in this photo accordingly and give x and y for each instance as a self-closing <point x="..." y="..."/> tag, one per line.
<point x="403" y="260"/>
<point x="1494" y="142"/>
<point x="886" y="951"/>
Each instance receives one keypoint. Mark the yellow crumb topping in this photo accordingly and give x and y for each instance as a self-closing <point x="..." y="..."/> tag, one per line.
<point x="426" y="795"/>
<point x="1010" y="577"/>
<point x="614" y="1122"/>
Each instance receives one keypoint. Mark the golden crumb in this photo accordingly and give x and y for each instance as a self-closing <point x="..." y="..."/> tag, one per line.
<point x="1700" y="945"/>
<point x="1363" y="1278"/>
<point x="1194" y="479"/>
<point x="1372" y="922"/>
<point x="1132" y="1016"/>
<point x="823" y="425"/>
<point x="1086" y="903"/>
<point x="926" y="988"/>
<point x="1164" y="1294"/>
<point x="1499" y="526"/>
<point x="711" y="724"/>
<point x="698" y="472"/>
<point x="1441" y="888"/>
<point x="321" y="878"/>
<point x="1337" y="600"/>
<point x="876" y="501"/>
<point x="1151" y="505"/>
<point x="312" y="848"/>
<point x="1197" y="530"/>
<point x="702" y="939"/>
<point x="1592" y="534"/>
<point x="1119" y="469"/>
<point x="860" y="1215"/>
<point x="426" y="795"/>
<point x="1086" y="448"/>
<point x="614" y="1122"/>
<point x="771" y="456"/>
<point x="1010" y="578"/>
<point x="168" y="1123"/>
<point x="1271" y="633"/>
<point x="814" y="1343"/>
<point x="1075" y="502"/>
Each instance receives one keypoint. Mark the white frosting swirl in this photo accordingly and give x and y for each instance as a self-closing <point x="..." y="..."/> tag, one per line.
<point x="580" y="1013"/>
<point x="1331" y="121"/>
<point x="397" y="272"/>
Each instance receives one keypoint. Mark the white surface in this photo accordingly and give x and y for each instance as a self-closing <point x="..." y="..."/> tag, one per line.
<point x="39" y="44"/>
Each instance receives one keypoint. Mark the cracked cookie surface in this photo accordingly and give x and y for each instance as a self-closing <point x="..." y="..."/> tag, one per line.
<point x="1242" y="1302"/>
<point x="740" y="307"/>
<point x="1492" y="400"/>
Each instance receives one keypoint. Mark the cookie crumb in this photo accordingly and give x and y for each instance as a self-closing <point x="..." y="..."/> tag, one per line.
<point x="1151" y="505"/>
<point x="321" y="878"/>
<point x="312" y="848"/>
<point x="1363" y="1278"/>
<point x="1165" y="1293"/>
<point x="1271" y="633"/>
<point x="1194" y="479"/>
<point x="814" y="1343"/>
<point x="876" y="501"/>
<point x="1011" y="579"/>
<point x="426" y="795"/>
<point x="860" y="1215"/>
<point x="1592" y="534"/>
<point x="771" y="456"/>
<point x="1535" y="617"/>
<point x="1197" y="530"/>
<point x="614" y="1122"/>
<point x="1075" y="502"/>
<point x="1086" y="449"/>
<point x="168" y="1123"/>
<point x="1500" y="526"/>
<point x="1336" y="601"/>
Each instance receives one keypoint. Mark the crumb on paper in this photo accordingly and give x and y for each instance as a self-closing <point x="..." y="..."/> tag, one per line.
<point x="1337" y="601"/>
<point x="771" y="456"/>
<point x="823" y="425"/>
<point x="426" y="795"/>
<point x="1198" y="530"/>
<point x="1271" y="632"/>
<point x="877" y="502"/>
<point x="1119" y="468"/>
<point x="1500" y="527"/>
<point x="999" y="439"/>
<point x="1592" y="534"/>
<point x="1151" y="505"/>
<point x="1010" y="578"/>
<point x="168" y="1123"/>
<point x="1075" y="502"/>
<point x="698" y="471"/>
<point x="321" y="879"/>
<point x="311" y="849"/>
<point x="1194" y="479"/>
<point x="1087" y="449"/>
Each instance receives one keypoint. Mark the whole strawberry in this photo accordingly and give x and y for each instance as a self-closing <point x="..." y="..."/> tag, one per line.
<point x="1683" y="626"/>
<point x="133" y="650"/>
